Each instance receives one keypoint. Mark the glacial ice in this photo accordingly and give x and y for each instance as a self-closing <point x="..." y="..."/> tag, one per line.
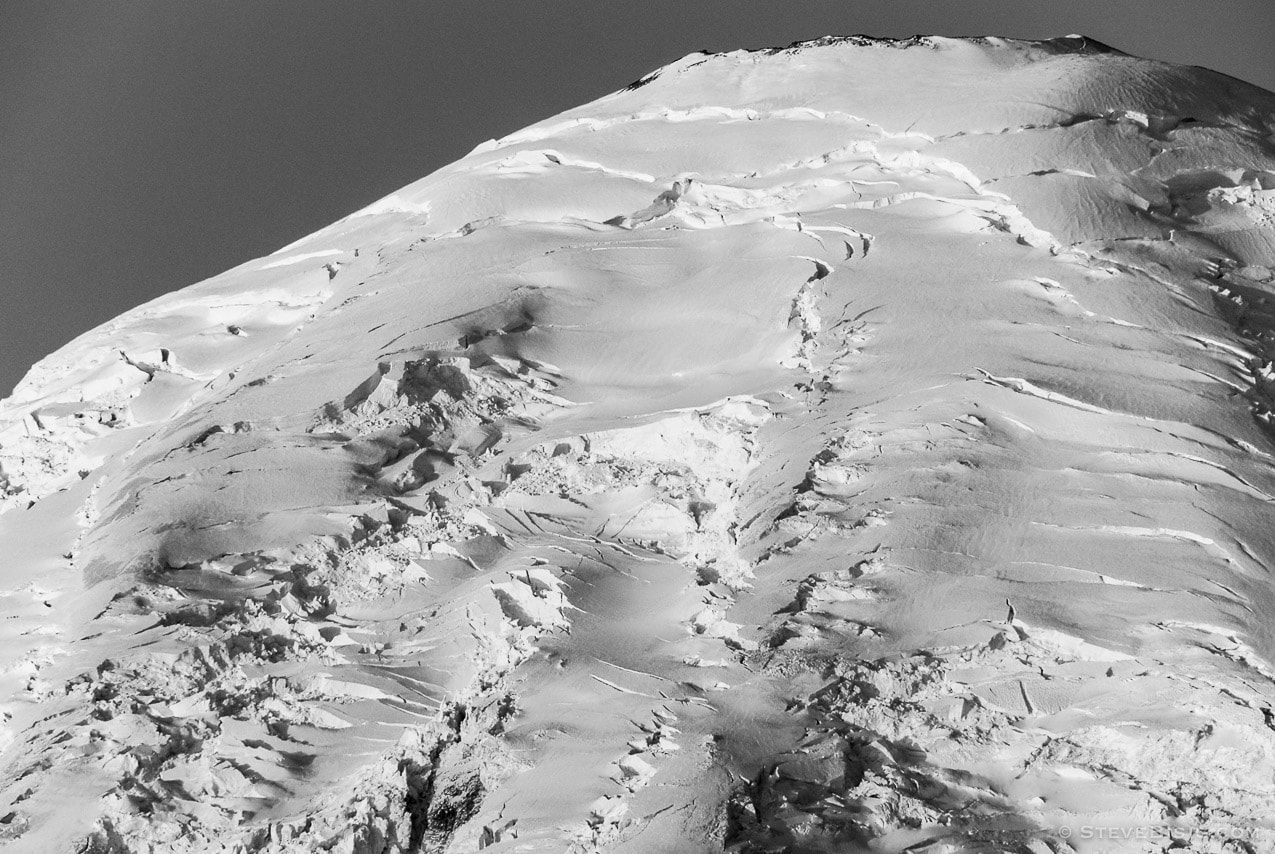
<point x="862" y="445"/>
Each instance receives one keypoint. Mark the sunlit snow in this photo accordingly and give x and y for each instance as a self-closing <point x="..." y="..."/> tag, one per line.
<point x="858" y="446"/>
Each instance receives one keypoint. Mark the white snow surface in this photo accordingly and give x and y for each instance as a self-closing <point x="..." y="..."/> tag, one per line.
<point x="860" y="446"/>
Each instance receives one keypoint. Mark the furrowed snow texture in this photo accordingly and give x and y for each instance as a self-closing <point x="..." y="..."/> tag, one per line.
<point x="862" y="445"/>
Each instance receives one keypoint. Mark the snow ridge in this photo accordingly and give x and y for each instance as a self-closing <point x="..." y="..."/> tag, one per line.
<point x="790" y="452"/>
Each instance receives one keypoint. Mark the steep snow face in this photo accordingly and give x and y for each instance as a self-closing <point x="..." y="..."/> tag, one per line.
<point x="857" y="446"/>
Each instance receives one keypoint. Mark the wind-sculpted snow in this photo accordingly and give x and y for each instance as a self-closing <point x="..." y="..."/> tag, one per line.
<point x="856" y="446"/>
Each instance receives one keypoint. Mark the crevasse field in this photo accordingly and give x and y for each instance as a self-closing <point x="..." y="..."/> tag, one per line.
<point x="859" y="446"/>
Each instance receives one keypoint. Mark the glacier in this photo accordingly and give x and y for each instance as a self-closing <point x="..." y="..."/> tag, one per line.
<point x="863" y="445"/>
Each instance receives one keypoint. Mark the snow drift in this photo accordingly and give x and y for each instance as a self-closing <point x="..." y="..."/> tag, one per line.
<point x="862" y="445"/>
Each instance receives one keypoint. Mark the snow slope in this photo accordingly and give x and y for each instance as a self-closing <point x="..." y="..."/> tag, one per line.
<point x="857" y="446"/>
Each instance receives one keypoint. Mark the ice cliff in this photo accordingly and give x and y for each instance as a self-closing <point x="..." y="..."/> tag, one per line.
<point x="858" y="446"/>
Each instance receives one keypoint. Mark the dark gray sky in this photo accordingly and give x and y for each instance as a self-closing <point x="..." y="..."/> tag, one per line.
<point x="146" y="145"/>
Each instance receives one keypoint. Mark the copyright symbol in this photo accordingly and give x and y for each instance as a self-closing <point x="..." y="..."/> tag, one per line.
<point x="1064" y="832"/>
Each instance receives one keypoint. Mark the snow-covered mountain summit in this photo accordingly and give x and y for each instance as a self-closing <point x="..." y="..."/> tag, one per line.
<point x="855" y="446"/>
